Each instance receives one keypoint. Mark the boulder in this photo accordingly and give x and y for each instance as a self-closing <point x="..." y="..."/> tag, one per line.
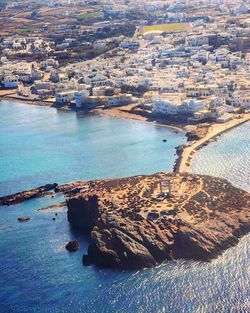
<point x="72" y="246"/>
<point x="153" y="216"/>
<point x="23" y="219"/>
<point x="192" y="136"/>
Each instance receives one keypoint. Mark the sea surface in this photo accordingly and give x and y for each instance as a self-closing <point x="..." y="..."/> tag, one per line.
<point x="40" y="145"/>
<point x="228" y="157"/>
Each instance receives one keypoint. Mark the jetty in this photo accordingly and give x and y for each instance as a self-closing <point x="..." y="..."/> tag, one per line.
<point x="189" y="152"/>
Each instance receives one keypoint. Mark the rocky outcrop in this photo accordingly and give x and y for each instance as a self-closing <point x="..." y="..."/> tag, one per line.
<point x="133" y="225"/>
<point x="192" y="136"/>
<point x="83" y="213"/>
<point x="27" y="195"/>
<point x="179" y="152"/>
<point x="72" y="246"/>
<point x="23" y="219"/>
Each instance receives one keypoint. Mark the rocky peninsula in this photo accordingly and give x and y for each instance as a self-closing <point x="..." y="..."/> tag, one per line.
<point x="139" y="221"/>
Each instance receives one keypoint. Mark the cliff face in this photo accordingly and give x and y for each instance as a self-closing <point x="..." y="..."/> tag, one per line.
<point x="133" y="225"/>
<point x="83" y="212"/>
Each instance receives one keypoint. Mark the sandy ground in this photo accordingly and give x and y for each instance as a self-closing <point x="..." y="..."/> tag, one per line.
<point x="124" y="112"/>
<point x="215" y="130"/>
<point x="19" y="99"/>
<point x="8" y="92"/>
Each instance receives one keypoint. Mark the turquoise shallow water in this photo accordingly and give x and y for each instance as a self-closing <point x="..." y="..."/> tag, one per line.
<point x="38" y="275"/>
<point x="39" y="145"/>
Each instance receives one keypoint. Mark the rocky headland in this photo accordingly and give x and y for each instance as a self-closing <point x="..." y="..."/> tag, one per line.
<point x="134" y="223"/>
<point x="140" y="221"/>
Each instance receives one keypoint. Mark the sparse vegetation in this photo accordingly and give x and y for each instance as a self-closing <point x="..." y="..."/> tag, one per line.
<point x="90" y="15"/>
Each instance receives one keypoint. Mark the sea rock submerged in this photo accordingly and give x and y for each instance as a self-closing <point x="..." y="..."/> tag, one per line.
<point x="139" y="221"/>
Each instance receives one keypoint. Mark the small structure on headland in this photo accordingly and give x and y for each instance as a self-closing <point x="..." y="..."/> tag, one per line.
<point x="165" y="188"/>
<point x="131" y="226"/>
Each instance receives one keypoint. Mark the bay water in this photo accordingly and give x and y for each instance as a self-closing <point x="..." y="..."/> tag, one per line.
<point x="39" y="145"/>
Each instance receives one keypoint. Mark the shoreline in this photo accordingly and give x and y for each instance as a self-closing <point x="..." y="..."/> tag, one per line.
<point x="188" y="153"/>
<point x="28" y="101"/>
<point x="114" y="112"/>
<point x="120" y="114"/>
<point x="185" y="153"/>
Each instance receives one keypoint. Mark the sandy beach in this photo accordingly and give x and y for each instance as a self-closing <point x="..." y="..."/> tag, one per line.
<point x="125" y="112"/>
<point x="19" y="99"/>
<point x="8" y="92"/>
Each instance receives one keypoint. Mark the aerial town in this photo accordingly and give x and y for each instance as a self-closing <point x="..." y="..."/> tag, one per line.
<point x="189" y="63"/>
<point x="124" y="156"/>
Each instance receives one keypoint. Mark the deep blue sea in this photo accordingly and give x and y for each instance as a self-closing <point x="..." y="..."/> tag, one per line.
<point x="39" y="145"/>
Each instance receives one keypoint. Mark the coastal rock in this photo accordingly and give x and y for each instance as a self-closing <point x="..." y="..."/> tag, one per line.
<point x="192" y="136"/>
<point x="179" y="152"/>
<point x="27" y="195"/>
<point x="23" y="219"/>
<point x="116" y="248"/>
<point x="83" y="213"/>
<point x="72" y="246"/>
<point x="133" y="226"/>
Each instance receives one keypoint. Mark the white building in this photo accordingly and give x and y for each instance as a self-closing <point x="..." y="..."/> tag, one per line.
<point x="197" y="40"/>
<point x="99" y="45"/>
<point x="165" y="107"/>
<point x="241" y="99"/>
<point x="10" y="81"/>
<point x="205" y="90"/>
<point x="80" y="97"/>
<point x="65" y="97"/>
<point x="175" y="105"/>
<point x="131" y="45"/>
<point x="49" y="62"/>
<point x="216" y="101"/>
<point x="98" y="80"/>
<point x="36" y="74"/>
<point x="122" y="99"/>
<point x="195" y="106"/>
